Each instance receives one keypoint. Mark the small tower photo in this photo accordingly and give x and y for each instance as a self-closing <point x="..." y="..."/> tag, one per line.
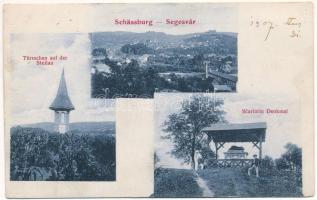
<point x="57" y="142"/>
<point x="62" y="106"/>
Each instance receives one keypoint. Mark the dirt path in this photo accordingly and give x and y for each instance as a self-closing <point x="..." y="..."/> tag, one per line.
<point x="203" y="185"/>
<point x="224" y="182"/>
<point x="235" y="182"/>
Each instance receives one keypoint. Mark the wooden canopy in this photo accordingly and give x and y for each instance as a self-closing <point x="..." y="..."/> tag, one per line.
<point x="245" y="132"/>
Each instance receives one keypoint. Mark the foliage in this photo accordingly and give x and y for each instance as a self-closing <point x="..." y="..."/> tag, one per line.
<point x="183" y="63"/>
<point x="130" y="79"/>
<point x="184" y="127"/>
<point x="99" y="52"/>
<point x="281" y="164"/>
<point x="290" y="163"/>
<point x="207" y="154"/>
<point x="61" y="157"/>
<point x="136" y="49"/>
<point x="175" y="183"/>
<point x="124" y="79"/>
<point x="293" y="155"/>
<point x="267" y="162"/>
<point x="291" y="159"/>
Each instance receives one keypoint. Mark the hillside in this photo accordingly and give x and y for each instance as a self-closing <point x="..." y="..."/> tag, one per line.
<point x="105" y="127"/>
<point x="105" y="39"/>
<point x="176" y="183"/>
<point x="225" y="182"/>
<point x="223" y="40"/>
<point x="236" y="182"/>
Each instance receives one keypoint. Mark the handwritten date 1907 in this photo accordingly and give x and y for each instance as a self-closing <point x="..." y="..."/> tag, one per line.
<point x="269" y="25"/>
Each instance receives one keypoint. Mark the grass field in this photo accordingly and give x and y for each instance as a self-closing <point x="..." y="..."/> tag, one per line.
<point x="236" y="182"/>
<point x="176" y="183"/>
<point x="226" y="182"/>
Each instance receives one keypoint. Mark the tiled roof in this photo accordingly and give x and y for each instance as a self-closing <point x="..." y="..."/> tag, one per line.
<point x="62" y="101"/>
<point x="244" y="132"/>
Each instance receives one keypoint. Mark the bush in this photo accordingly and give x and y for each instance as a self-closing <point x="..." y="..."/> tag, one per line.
<point x="37" y="154"/>
<point x="136" y="49"/>
<point x="267" y="162"/>
<point x="175" y="183"/>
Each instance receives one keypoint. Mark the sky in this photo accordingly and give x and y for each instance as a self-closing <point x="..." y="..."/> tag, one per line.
<point x="33" y="87"/>
<point x="281" y="128"/>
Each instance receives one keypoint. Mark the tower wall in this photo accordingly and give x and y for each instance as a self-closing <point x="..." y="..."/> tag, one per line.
<point x="61" y="121"/>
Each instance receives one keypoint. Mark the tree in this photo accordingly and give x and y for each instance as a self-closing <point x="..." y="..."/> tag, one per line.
<point x="291" y="159"/>
<point x="184" y="128"/>
<point x="99" y="52"/>
<point x="293" y="156"/>
<point x="281" y="164"/>
<point x="136" y="49"/>
<point x="267" y="162"/>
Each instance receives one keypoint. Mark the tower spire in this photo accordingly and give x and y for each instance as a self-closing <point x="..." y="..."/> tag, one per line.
<point x="62" y="101"/>
<point x="62" y="105"/>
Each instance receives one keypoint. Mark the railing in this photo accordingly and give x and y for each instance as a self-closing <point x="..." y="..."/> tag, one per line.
<point x="222" y="163"/>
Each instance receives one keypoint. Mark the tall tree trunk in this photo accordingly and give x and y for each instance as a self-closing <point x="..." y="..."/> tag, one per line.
<point x="193" y="158"/>
<point x="193" y="151"/>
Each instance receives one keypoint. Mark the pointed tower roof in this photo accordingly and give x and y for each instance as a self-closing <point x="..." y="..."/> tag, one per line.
<point x="62" y="101"/>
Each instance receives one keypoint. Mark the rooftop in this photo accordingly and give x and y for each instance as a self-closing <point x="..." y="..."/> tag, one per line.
<point x="243" y="132"/>
<point x="62" y="101"/>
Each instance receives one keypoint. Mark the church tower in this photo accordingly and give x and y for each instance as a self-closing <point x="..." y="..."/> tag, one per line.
<point x="62" y="106"/>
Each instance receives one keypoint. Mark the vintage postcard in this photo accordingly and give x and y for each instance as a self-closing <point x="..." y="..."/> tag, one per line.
<point x="159" y="99"/>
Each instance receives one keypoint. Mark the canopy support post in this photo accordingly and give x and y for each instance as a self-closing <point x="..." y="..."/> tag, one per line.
<point x="216" y="145"/>
<point x="258" y="145"/>
<point x="260" y="149"/>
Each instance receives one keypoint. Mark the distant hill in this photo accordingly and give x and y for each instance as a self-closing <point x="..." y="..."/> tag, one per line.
<point x="106" y="39"/>
<point x="89" y="127"/>
<point x="102" y="39"/>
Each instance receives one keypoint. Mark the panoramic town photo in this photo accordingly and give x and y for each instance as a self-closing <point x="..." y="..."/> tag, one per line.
<point x="57" y="133"/>
<point x="132" y="64"/>
<point x="226" y="145"/>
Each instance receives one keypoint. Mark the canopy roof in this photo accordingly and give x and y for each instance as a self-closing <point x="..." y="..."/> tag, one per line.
<point x="246" y="132"/>
<point x="62" y="101"/>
